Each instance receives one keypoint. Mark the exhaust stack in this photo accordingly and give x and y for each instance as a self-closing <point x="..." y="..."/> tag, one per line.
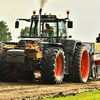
<point x="40" y="11"/>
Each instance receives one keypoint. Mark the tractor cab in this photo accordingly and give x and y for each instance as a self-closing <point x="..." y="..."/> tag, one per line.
<point x="56" y="31"/>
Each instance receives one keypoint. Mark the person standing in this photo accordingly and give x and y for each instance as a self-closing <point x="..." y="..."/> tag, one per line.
<point x="98" y="39"/>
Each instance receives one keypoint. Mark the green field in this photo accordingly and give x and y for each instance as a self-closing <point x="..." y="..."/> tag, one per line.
<point x="93" y="95"/>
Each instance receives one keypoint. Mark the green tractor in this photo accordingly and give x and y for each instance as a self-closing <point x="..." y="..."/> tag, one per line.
<point x="48" y="49"/>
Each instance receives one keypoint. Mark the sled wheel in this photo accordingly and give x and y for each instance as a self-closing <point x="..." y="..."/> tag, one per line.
<point x="93" y="71"/>
<point x="81" y="64"/>
<point x="10" y="73"/>
<point x="53" y="66"/>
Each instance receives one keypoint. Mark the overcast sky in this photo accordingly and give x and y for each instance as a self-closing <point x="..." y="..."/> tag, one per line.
<point x="85" y="15"/>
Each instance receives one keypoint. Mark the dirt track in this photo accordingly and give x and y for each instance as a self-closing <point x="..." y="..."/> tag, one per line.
<point x="37" y="90"/>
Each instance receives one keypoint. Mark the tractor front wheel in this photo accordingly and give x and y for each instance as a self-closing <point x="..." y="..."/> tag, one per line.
<point x="53" y="65"/>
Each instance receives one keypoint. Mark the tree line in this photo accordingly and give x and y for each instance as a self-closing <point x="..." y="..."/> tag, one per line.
<point x="5" y="35"/>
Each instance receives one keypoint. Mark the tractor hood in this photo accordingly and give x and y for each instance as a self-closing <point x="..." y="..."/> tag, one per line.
<point x="30" y="40"/>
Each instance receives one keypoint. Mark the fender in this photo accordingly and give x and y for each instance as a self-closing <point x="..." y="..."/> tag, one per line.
<point x="48" y="45"/>
<point x="69" y="45"/>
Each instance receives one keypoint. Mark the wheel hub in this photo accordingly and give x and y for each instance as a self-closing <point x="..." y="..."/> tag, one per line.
<point x="59" y="66"/>
<point x="84" y="65"/>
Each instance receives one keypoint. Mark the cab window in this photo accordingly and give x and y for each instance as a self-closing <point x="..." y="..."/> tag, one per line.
<point x="62" y="29"/>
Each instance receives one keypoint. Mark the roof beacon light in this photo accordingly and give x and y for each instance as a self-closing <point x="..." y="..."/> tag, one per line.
<point x="67" y="14"/>
<point x="67" y="11"/>
<point x="34" y="12"/>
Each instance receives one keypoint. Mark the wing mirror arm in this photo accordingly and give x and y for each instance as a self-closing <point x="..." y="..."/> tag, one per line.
<point x="70" y="23"/>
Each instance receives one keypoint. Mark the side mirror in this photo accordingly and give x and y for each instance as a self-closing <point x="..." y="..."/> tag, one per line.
<point x="70" y="24"/>
<point x="17" y="24"/>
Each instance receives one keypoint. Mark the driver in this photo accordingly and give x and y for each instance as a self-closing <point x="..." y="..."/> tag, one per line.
<point x="49" y="30"/>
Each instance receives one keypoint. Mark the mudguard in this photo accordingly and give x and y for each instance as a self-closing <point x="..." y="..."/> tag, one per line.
<point x="69" y="45"/>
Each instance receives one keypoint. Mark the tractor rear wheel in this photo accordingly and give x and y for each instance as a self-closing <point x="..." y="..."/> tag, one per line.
<point x="81" y="64"/>
<point x="53" y="66"/>
<point x="10" y="73"/>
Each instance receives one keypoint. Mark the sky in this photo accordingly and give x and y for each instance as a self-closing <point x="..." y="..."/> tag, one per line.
<point x="85" y="15"/>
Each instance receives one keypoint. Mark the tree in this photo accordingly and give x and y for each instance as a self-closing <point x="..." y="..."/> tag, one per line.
<point x="5" y="35"/>
<point x="24" y="32"/>
<point x="1" y="45"/>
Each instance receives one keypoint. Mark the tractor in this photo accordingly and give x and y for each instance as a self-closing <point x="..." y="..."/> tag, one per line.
<point x="57" y="57"/>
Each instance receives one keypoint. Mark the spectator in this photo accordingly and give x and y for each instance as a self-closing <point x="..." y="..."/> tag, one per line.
<point x="98" y="39"/>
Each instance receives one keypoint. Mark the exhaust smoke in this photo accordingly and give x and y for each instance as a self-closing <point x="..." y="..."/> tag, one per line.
<point x="42" y="2"/>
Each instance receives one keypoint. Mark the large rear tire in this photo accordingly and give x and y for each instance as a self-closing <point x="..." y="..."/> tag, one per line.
<point x="81" y="64"/>
<point x="53" y="66"/>
<point x="10" y="73"/>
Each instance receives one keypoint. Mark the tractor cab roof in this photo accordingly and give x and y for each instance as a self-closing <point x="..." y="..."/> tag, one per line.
<point x="48" y="18"/>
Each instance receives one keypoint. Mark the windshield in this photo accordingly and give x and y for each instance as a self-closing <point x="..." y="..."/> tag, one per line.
<point x="48" y="29"/>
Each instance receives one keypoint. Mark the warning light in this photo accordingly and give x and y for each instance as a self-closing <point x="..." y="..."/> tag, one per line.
<point x="34" y="12"/>
<point x="67" y="11"/>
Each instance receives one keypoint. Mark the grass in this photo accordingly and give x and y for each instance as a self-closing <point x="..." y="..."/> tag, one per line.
<point x="93" y="95"/>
